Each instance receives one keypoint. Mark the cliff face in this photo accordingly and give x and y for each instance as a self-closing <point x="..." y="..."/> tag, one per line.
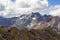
<point x="24" y="34"/>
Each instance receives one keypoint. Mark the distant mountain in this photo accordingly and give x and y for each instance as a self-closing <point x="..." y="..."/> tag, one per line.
<point x="32" y="21"/>
<point x="38" y="21"/>
<point x="29" y="20"/>
<point x="7" y="21"/>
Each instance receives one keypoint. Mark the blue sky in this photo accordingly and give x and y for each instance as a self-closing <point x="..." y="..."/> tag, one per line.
<point x="54" y="2"/>
<point x="51" y="2"/>
<point x="13" y="0"/>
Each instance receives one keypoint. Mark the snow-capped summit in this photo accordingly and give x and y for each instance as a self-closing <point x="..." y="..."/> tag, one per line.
<point x="28" y="20"/>
<point x="33" y="20"/>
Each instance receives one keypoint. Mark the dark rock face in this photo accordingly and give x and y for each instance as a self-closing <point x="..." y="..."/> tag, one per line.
<point x="47" y="18"/>
<point x="37" y="15"/>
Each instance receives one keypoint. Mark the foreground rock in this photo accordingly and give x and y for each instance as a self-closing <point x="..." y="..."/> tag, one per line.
<point x="24" y="34"/>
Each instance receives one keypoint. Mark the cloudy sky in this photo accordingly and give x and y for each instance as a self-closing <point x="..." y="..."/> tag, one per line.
<point x="12" y="8"/>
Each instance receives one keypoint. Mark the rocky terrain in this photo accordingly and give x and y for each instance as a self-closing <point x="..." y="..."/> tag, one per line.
<point x="32" y="26"/>
<point x="24" y="34"/>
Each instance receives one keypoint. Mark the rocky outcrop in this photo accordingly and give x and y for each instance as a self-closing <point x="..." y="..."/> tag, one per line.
<point x="24" y="34"/>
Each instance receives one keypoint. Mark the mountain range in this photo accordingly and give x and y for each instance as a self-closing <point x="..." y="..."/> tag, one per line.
<point x="32" y="21"/>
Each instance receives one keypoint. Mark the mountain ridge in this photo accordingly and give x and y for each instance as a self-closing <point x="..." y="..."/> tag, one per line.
<point x="33" y="21"/>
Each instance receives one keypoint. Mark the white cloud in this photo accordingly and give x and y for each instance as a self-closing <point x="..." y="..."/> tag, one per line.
<point x="51" y="10"/>
<point x="10" y="9"/>
<point x="20" y="6"/>
<point x="55" y="10"/>
<point x="31" y="4"/>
